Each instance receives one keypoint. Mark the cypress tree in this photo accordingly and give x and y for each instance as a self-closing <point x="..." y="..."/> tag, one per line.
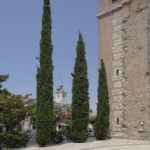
<point x="44" y="111"/>
<point x="102" y="121"/>
<point x="80" y="95"/>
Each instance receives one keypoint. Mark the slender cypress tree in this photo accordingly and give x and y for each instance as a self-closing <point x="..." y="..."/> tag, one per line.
<point x="44" y="110"/>
<point x="102" y="122"/>
<point x="80" y="95"/>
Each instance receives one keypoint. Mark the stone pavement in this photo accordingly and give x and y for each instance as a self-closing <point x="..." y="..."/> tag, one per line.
<point x="113" y="144"/>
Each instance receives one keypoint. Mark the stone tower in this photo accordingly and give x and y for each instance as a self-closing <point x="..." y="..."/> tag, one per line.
<point x="60" y="96"/>
<point x="125" y="48"/>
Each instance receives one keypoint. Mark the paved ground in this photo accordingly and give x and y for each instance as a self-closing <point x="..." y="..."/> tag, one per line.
<point x="114" y="144"/>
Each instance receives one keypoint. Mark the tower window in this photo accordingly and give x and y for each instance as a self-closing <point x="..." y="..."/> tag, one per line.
<point x="147" y="73"/>
<point x="117" y="72"/>
<point x="1" y="129"/>
<point x="113" y="1"/>
<point x="118" y="121"/>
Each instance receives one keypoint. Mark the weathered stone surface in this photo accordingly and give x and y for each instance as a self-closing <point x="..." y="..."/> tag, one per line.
<point x="129" y="66"/>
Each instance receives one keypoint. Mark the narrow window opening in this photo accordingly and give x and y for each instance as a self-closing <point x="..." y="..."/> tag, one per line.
<point x="1" y="129"/>
<point x="118" y="121"/>
<point x="147" y="73"/>
<point x="117" y="72"/>
<point x="113" y="1"/>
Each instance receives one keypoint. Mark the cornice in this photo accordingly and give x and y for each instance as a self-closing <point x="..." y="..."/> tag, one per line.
<point x="113" y="8"/>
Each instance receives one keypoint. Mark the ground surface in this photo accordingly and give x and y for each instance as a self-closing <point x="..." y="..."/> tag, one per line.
<point x="114" y="144"/>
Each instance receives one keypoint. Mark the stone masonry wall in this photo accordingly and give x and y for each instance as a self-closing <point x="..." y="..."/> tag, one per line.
<point x="130" y="67"/>
<point x="136" y="71"/>
<point x="117" y="76"/>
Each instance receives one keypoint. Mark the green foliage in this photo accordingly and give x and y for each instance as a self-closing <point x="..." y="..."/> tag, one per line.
<point x="14" y="140"/>
<point x="44" y="110"/>
<point x="32" y="110"/>
<point x="80" y="95"/>
<point x="102" y="121"/>
<point x="68" y="130"/>
<point x="2" y="79"/>
<point x="12" y="113"/>
<point x="59" y="137"/>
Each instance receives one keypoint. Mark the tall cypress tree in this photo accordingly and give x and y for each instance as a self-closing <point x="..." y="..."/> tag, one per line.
<point x="44" y="110"/>
<point x="102" y="122"/>
<point x="80" y="95"/>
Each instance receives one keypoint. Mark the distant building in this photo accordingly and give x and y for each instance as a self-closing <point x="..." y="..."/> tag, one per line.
<point x="60" y="97"/>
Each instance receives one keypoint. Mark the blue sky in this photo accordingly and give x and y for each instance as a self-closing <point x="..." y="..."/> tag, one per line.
<point x="20" y="26"/>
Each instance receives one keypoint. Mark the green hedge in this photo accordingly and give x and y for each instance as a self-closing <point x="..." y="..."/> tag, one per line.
<point x="15" y="140"/>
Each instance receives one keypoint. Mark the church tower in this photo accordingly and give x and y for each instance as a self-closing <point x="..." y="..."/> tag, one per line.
<point x="60" y="97"/>
<point x="124" y="27"/>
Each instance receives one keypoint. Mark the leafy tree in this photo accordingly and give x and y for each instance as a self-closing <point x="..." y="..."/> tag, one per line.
<point x="102" y="121"/>
<point x="80" y="95"/>
<point x="12" y="113"/>
<point x="2" y="79"/>
<point x="44" y="110"/>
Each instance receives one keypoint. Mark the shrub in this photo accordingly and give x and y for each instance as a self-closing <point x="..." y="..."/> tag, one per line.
<point x="59" y="137"/>
<point x="15" y="140"/>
